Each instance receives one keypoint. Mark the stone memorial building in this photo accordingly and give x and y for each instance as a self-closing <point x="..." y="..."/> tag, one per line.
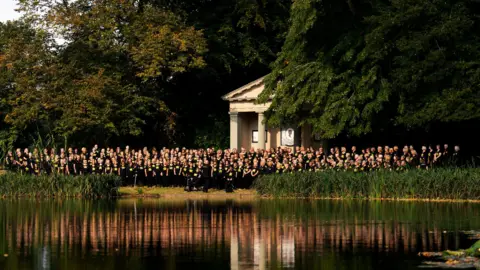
<point x="247" y="127"/>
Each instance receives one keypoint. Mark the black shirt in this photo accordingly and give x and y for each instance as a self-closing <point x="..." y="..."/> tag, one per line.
<point x="205" y="171"/>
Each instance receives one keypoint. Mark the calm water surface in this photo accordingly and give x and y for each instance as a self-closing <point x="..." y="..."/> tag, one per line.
<point x="228" y="234"/>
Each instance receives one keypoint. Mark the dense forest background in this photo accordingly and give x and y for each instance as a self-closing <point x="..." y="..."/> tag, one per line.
<point x="151" y="72"/>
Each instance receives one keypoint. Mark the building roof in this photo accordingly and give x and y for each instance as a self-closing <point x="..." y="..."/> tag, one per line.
<point x="234" y="95"/>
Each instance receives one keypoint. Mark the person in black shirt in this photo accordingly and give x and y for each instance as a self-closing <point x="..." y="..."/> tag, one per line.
<point x="78" y="163"/>
<point x="108" y="167"/>
<point x="64" y="167"/>
<point x="269" y="168"/>
<point x="424" y="158"/>
<point x="177" y="171"/>
<point x="456" y="158"/>
<point x="150" y="174"/>
<point x="396" y="151"/>
<point x="71" y="165"/>
<point x="189" y="173"/>
<point x="123" y="171"/>
<point x="445" y="160"/>
<point x="84" y="170"/>
<point x="414" y="159"/>
<point x="46" y="165"/>
<point x="140" y="173"/>
<point x="170" y="179"/>
<point x="131" y="168"/>
<point x="229" y="179"/>
<point x="164" y="173"/>
<point x="310" y="167"/>
<point x="168" y="164"/>
<point x="437" y="156"/>
<point x="9" y="161"/>
<point x="25" y="167"/>
<point x="221" y="175"/>
<point x="254" y="173"/>
<point x="36" y="169"/>
<point x="100" y="168"/>
<point x="206" y="172"/>
<point x="115" y="168"/>
<point x="278" y="168"/>
<point x="430" y="156"/>
<point x="156" y="173"/>
<point x="343" y="153"/>
<point x="214" y="172"/>
<point x="247" y="177"/>
<point x="236" y="175"/>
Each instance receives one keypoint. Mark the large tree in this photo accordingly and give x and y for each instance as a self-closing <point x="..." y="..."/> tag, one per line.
<point x="25" y="58"/>
<point x="109" y="76"/>
<point x="132" y="70"/>
<point x="243" y="37"/>
<point x="353" y="67"/>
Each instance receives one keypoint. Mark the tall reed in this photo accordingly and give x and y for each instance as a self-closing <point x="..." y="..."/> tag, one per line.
<point x="441" y="183"/>
<point x="43" y="142"/>
<point x="90" y="186"/>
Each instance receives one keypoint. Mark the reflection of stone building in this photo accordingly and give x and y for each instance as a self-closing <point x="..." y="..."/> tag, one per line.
<point x="246" y="121"/>
<point x="251" y="241"/>
<point x="252" y="245"/>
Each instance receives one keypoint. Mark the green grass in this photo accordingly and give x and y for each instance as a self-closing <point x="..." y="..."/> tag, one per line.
<point x="89" y="186"/>
<point x="442" y="183"/>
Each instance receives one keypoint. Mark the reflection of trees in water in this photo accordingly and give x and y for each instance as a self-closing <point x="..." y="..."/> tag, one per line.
<point x="252" y="240"/>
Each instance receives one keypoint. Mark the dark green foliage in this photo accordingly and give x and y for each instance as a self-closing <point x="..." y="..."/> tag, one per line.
<point x="213" y="134"/>
<point x="243" y="37"/>
<point x="130" y="71"/>
<point x="89" y="186"/>
<point x="109" y="77"/>
<point x="154" y="70"/>
<point x="357" y="66"/>
<point x="448" y="183"/>
<point x="240" y="33"/>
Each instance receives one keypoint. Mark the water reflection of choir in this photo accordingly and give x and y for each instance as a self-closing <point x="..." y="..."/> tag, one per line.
<point x="221" y="168"/>
<point x="137" y="231"/>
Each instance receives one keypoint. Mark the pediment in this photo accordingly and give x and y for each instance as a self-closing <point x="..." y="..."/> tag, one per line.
<point x="247" y="92"/>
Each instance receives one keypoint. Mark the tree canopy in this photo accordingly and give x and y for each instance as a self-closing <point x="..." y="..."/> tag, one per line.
<point x="124" y="70"/>
<point x="153" y="71"/>
<point x="353" y="67"/>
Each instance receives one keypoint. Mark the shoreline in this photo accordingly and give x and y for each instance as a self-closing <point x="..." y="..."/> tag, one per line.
<point x="440" y="185"/>
<point x="171" y="192"/>
<point x="179" y="193"/>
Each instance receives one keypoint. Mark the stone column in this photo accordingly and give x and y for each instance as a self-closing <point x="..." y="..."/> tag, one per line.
<point x="261" y="131"/>
<point x="234" y="130"/>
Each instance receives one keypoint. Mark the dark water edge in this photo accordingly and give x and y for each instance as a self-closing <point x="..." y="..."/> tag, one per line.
<point x="228" y="234"/>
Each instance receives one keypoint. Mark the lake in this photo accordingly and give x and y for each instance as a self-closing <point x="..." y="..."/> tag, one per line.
<point x="228" y="234"/>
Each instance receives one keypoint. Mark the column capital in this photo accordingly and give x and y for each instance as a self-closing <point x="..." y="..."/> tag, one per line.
<point x="260" y="112"/>
<point x="233" y="113"/>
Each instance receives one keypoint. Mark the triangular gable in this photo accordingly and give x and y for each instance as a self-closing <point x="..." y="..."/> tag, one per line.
<point x="249" y="91"/>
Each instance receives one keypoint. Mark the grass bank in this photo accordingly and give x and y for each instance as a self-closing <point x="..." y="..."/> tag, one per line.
<point x="442" y="183"/>
<point x="178" y="192"/>
<point x="90" y="186"/>
<point x="438" y="184"/>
